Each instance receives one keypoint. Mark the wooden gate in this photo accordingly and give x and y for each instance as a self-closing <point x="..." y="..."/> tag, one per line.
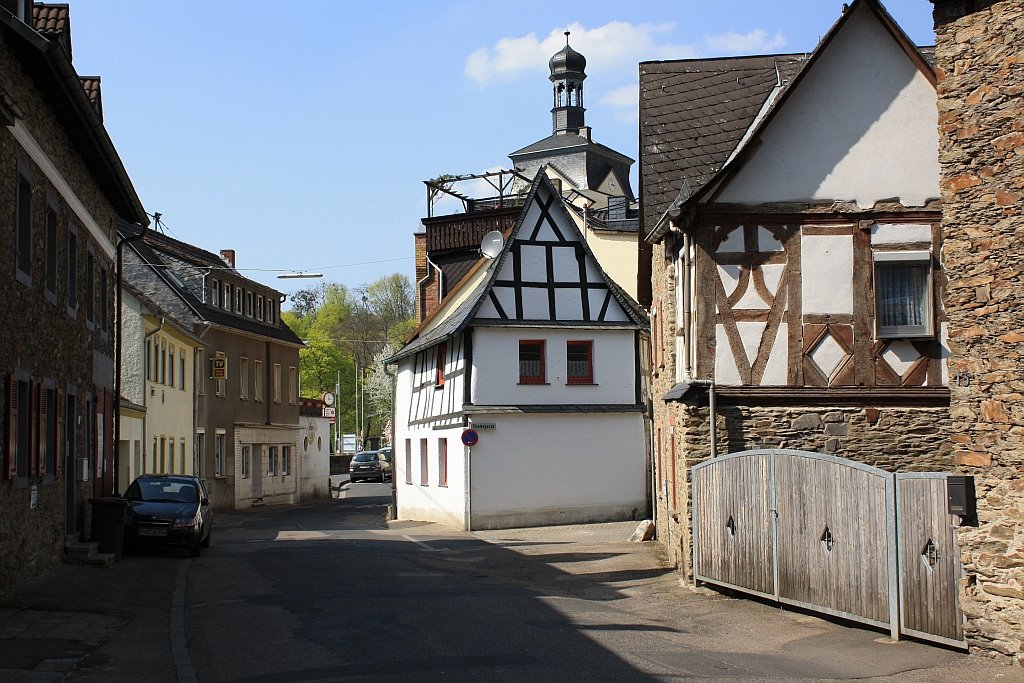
<point x="822" y="532"/>
<point x="929" y="559"/>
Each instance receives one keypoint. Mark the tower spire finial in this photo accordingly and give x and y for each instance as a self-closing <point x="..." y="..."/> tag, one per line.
<point x="567" y="37"/>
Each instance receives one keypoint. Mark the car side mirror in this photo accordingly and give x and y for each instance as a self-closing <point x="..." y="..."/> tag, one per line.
<point x="204" y="501"/>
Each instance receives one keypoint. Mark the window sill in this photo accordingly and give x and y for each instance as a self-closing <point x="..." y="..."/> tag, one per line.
<point x="581" y="384"/>
<point x="438" y="386"/>
<point x="534" y="384"/>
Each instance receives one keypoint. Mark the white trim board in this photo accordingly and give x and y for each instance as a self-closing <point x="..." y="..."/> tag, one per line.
<point x="29" y="144"/>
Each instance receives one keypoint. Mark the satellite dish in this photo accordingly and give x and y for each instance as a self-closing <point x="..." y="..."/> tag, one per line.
<point x="492" y="244"/>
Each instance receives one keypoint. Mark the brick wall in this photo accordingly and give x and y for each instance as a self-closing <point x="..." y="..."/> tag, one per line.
<point x="981" y="120"/>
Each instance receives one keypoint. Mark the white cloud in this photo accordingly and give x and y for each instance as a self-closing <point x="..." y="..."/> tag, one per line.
<point x="733" y="43"/>
<point x="624" y="101"/>
<point x="614" y="47"/>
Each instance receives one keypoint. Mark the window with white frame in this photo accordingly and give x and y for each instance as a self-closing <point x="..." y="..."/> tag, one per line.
<point x="277" y="382"/>
<point x="903" y="294"/>
<point x="181" y="370"/>
<point x="199" y="467"/>
<point x="218" y="453"/>
<point x="243" y="377"/>
<point x="272" y="460"/>
<point x="286" y="459"/>
<point x="245" y="462"/>
<point x="257" y="380"/>
<point x="293" y="385"/>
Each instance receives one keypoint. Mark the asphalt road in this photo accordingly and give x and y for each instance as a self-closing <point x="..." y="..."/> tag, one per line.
<point x="331" y="591"/>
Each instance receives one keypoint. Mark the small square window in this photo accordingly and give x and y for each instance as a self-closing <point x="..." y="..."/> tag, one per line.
<point x="903" y="295"/>
<point x="531" y="361"/>
<point x="579" y="362"/>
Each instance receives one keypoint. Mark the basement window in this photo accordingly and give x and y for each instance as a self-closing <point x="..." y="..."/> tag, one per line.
<point x="903" y="294"/>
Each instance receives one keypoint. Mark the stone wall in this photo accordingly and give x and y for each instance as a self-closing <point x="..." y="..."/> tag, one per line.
<point x="39" y="336"/>
<point x="981" y="119"/>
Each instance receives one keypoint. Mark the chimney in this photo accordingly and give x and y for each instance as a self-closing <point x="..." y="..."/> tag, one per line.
<point x="585" y="133"/>
<point x="421" y="270"/>
<point x="228" y="256"/>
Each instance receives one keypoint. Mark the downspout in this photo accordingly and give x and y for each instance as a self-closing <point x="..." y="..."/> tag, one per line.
<point x="117" y="351"/>
<point x="687" y="345"/>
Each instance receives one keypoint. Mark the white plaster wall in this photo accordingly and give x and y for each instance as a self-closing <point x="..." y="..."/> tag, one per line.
<point x="133" y="347"/>
<point x="900" y="233"/>
<point x="430" y="502"/>
<point x="540" y="469"/>
<point x="861" y="126"/>
<point x="495" y="378"/>
<point x="314" y="446"/>
<point x="827" y="273"/>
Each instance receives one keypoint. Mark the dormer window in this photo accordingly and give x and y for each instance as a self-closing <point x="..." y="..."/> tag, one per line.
<point x="214" y="293"/>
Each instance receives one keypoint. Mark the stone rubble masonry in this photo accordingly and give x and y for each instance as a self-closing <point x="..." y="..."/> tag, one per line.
<point x="981" y="151"/>
<point x="37" y="335"/>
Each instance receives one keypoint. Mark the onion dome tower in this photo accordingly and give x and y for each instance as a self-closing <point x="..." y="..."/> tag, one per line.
<point x="568" y="71"/>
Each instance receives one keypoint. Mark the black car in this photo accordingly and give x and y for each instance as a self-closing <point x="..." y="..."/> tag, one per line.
<point x="365" y="465"/>
<point x="171" y="509"/>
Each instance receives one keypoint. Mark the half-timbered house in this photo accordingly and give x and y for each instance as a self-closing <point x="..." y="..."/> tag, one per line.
<point x="538" y="353"/>
<point x="791" y="203"/>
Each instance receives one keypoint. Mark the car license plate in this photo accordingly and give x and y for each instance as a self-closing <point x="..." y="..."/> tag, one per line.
<point x="152" y="532"/>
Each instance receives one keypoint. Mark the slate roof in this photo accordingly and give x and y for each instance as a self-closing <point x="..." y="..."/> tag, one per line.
<point x="559" y="141"/>
<point x="693" y="114"/>
<point x="462" y="316"/>
<point x="188" y="263"/>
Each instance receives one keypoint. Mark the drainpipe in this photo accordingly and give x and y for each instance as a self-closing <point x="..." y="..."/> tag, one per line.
<point x="710" y="386"/>
<point x="686" y="304"/>
<point x="117" y="352"/>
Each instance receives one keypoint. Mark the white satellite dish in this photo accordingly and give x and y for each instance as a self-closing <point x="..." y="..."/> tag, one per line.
<point x="492" y="244"/>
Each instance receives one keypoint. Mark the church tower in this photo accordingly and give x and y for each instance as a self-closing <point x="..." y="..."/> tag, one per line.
<point x="568" y="71"/>
<point x="570" y="152"/>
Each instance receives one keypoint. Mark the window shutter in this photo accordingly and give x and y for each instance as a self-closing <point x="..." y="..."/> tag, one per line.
<point x="35" y="432"/>
<point x="12" y="426"/>
<point x="43" y="427"/>
<point x="58" y="440"/>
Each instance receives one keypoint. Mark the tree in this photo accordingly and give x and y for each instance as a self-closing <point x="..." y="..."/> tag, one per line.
<point x="380" y="385"/>
<point x="347" y="333"/>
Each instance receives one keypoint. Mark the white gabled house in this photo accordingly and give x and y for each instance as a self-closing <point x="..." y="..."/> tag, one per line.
<point x="539" y="352"/>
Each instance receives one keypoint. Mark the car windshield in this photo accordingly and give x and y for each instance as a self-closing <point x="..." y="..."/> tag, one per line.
<point x="365" y="457"/>
<point x="162" y="490"/>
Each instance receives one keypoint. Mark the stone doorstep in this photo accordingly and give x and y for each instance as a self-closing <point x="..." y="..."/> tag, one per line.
<point x="80" y="551"/>
<point x="101" y="559"/>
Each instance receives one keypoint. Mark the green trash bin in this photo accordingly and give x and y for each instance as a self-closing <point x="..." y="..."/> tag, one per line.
<point x="108" y="516"/>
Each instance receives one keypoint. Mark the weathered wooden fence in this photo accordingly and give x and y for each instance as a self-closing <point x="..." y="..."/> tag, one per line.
<point x="832" y="535"/>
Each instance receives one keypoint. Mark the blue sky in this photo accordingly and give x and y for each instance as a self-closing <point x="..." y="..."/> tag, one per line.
<point x="299" y="133"/>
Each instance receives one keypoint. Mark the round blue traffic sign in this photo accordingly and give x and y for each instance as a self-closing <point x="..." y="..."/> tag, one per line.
<point x="469" y="437"/>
